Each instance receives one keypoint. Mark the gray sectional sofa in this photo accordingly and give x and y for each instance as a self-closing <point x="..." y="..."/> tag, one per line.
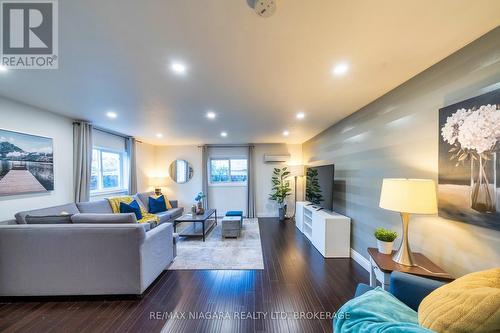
<point x="96" y="253"/>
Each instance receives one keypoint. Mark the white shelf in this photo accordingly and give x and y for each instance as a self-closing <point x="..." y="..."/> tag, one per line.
<point x="329" y="232"/>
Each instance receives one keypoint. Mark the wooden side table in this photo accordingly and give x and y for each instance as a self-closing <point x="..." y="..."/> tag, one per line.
<point x="381" y="266"/>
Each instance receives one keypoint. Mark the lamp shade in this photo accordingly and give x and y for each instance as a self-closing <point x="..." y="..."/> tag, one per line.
<point x="296" y="170"/>
<point x="158" y="181"/>
<point x="416" y="196"/>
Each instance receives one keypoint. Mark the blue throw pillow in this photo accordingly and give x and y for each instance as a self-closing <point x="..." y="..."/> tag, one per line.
<point x="157" y="205"/>
<point x="133" y="207"/>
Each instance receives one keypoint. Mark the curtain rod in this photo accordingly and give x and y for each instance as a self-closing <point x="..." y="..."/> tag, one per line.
<point x="110" y="132"/>
<point x="116" y="133"/>
<point x="227" y="145"/>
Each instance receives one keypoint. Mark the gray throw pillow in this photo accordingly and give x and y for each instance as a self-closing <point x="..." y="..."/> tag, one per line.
<point x="48" y="219"/>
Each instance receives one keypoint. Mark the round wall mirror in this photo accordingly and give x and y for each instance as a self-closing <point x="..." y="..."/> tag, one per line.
<point x="180" y="171"/>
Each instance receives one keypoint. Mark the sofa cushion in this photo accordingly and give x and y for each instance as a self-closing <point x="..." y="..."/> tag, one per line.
<point x="157" y="205"/>
<point x="104" y="218"/>
<point x="234" y="213"/>
<point x="114" y="202"/>
<point x="170" y="214"/>
<point x="96" y="207"/>
<point x="48" y="219"/>
<point x="55" y="210"/>
<point x="468" y="304"/>
<point x="132" y="207"/>
<point x="144" y="196"/>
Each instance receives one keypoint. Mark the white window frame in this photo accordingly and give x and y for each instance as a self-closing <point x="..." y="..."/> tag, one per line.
<point x="228" y="183"/>
<point x="121" y="180"/>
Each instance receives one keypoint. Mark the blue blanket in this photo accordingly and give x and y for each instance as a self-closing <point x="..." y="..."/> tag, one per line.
<point x="376" y="311"/>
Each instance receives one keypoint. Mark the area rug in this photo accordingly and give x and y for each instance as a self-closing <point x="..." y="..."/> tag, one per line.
<point x="244" y="252"/>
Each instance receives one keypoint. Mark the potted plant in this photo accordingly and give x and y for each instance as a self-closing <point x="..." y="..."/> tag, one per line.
<point x="281" y="189"/>
<point x="199" y="199"/>
<point x="385" y="240"/>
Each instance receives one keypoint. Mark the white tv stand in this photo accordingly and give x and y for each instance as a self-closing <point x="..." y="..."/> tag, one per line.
<point x="329" y="232"/>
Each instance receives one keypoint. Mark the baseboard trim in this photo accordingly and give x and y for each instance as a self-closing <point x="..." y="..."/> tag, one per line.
<point x="357" y="257"/>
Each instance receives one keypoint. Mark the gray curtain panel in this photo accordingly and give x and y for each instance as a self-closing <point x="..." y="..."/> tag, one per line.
<point x="251" y="212"/>
<point x="204" y="170"/>
<point x="82" y="160"/>
<point x="130" y="147"/>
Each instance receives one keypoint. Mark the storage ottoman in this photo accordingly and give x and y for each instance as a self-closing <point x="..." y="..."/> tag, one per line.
<point x="231" y="226"/>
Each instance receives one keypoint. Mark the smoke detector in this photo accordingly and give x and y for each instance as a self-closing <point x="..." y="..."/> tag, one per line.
<point x="264" y="8"/>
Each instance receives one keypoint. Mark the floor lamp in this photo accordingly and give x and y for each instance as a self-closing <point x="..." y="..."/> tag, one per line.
<point x="296" y="171"/>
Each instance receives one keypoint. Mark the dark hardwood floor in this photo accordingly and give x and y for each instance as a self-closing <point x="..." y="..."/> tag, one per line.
<point x="296" y="279"/>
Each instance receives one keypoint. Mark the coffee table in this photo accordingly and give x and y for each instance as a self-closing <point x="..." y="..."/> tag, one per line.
<point x="206" y="224"/>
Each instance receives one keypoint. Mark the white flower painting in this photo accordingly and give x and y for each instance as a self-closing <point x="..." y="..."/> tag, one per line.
<point x="469" y="174"/>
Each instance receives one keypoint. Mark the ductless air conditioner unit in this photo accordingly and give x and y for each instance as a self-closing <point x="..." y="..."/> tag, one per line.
<point x="276" y="158"/>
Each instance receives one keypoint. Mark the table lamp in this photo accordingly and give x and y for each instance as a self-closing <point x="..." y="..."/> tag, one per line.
<point x="408" y="196"/>
<point x="157" y="183"/>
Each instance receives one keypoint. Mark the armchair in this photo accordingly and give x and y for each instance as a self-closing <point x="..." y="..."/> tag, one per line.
<point x="409" y="289"/>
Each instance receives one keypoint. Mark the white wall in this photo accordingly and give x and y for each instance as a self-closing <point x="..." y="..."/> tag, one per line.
<point x="263" y="174"/>
<point x="146" y="165"/>
<point x="22" y="118"/>
<point x="184" y="193"/>
<point x="228" y="197"/>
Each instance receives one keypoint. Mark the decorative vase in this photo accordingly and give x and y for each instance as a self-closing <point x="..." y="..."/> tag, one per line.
<point x="200" y="210"/>
<point x="384" y="247"/>
<point x="282" y="213"/>
<point x="483" y="195"/>
<point x="193" y="209"/>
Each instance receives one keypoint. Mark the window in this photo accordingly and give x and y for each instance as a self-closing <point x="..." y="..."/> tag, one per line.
<point x="228" y="170"/>
<point x="107" y="171"/>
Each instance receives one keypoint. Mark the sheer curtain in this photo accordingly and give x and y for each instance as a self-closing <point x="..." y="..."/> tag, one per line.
<point x="251" y="213"/>
<point x="130" y="148"/>
<point x="82" y="160"/>
<point x="204" y="168"/>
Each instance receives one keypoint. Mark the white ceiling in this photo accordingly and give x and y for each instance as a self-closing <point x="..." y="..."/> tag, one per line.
<point x="255" y="73"/>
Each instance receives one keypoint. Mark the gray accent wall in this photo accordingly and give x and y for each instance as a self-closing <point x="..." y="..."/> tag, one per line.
<point x="397" y="136"/>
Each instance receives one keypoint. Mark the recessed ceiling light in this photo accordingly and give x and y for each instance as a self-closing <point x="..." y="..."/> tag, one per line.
<point x="159" y="135"/>
<point x="178" y="67"/>
<point x="111" y="114"/>
<point x="286" y="133"/>
<point x="223" y="134"/>
<point x="340" y="69"/>
<point x="211" y="115"/>
<point x="301" y="115"/>
<point x="3" y="68"/>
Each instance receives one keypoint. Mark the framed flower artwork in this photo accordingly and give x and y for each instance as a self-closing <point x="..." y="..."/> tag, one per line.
<point x="469" y="161"/>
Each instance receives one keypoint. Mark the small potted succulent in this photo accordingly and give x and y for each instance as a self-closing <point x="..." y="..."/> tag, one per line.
<point x="385" y="240"/>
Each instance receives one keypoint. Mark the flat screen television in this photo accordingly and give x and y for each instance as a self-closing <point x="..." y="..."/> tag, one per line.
<point x="319" y="186"/>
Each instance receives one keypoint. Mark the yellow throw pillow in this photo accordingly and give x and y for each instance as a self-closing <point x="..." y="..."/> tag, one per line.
<point x="468" y="304"/>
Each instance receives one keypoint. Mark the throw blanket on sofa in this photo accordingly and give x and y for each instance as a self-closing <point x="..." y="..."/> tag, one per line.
<point x="376" y="311"/>
<point x="146" y="217"/>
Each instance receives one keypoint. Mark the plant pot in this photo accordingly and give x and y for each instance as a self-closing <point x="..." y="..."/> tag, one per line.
<point x="282" y="213"/>
<point x="384" y="247"/>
